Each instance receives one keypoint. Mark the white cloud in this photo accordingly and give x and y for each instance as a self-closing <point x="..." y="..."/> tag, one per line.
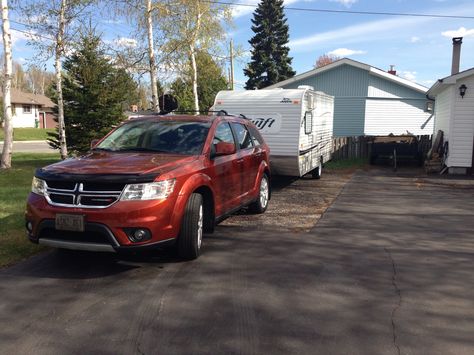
<point x="415" y="39"/>
<point x="346" y="3"/>
<point x="461" y="32"/>
<point x="126" y="42"/>
<point x="409" y="75"/>
<point x="345" y="52"/>
<point x="364" y="32"/>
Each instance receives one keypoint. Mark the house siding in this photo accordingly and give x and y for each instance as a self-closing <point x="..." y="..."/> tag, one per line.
<point x="462" y="128"/>
<point x="397" y="116"/>
<point x="349" y="100"/>
<point x="349" y="114"/>
<point x="382" y="88"/>
<point x="443" y="111"/>
<point x="22" y="119"/>
<point x="356" y="113"/>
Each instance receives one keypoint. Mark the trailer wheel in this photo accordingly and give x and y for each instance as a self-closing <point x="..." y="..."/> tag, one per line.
<point x="316" y="173"/>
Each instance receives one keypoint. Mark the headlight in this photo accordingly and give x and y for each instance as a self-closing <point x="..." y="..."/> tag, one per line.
<point x="150" y="191"/>
<point x="38" y="186"/>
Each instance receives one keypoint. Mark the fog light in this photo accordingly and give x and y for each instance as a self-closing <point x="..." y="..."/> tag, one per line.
<point x="137" y="235"/>
<point x="29" y="227"/>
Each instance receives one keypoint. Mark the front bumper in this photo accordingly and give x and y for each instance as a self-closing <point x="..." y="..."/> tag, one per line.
<point x="104" y="229"/>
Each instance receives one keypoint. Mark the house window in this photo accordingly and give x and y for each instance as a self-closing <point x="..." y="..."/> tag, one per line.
<point x="26" y="108"/>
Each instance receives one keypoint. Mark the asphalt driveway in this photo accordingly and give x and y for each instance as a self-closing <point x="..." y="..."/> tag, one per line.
<point x="388" y="269"/>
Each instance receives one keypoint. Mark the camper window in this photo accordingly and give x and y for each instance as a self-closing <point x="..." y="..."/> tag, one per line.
<point x="308" y="122"/>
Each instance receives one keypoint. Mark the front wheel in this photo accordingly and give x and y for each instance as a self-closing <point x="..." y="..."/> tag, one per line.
<point x="261" y="204"/>
<point x="190" y="235"/>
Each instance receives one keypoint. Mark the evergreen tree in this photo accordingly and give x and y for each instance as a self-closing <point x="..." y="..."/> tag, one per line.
<point x="270" y="62"/>
<point x="95" y="95"/>
<point x="210" y="81"/>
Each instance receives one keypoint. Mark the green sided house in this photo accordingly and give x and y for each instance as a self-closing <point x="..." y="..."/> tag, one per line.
<point x="368" y="100"/>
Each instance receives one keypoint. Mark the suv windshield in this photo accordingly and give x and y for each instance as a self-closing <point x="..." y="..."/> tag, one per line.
<point x="175" y="137"/>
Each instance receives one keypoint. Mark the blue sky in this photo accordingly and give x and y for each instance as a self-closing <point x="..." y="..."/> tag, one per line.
<point x="419" y="47"/>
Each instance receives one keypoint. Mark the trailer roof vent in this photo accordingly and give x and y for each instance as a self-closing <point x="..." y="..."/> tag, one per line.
<point x="307" y="87"/>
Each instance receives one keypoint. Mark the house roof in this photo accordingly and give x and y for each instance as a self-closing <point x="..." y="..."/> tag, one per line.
<point x="20" y="97"/>
<point x="372" y="70"/>
<point x="443" y="83"/>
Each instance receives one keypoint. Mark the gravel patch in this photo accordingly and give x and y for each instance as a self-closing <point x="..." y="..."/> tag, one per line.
<point x="296" y="204"/>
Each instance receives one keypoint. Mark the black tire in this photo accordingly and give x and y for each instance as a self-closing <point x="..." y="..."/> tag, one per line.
<point x="316" y="173"/>
<point x="190" y="235"/>
<point x="261" y="204"/>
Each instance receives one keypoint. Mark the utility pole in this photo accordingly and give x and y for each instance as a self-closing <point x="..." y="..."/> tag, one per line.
<point x="231" y="65"/>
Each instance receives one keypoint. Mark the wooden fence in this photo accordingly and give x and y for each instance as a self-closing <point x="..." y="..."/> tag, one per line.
<point x="344" y="148"/>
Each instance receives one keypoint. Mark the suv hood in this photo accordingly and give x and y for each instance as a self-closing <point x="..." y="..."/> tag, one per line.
<point x="107" y="163"/>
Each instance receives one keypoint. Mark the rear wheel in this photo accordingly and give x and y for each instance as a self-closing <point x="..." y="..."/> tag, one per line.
<point x="261" y="204"/>
<point x="316" y="173"/>
<point x="190" y="235"/>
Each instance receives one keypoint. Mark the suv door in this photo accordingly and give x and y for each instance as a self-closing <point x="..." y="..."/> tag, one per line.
<point x="226" y="168"/>
<point x="249" y="156"/>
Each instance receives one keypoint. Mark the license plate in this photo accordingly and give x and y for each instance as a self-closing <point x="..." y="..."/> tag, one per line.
<point x="70" y="222"/>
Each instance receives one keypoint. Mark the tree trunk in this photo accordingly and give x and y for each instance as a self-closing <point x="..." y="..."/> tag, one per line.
<point x="6" y="162"/>
<point x="195" y="87"/>
<point x="151" y="55"/>
<point x="59" y="88"/>
<point x="193" y="59"/>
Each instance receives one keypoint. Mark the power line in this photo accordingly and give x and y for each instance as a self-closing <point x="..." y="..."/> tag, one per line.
<point x="32" y="34"/>
<point x="348" y="11"/>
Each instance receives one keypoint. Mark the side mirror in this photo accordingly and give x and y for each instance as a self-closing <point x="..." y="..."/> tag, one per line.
<point x="94" y="142"/>
<point x="224" y="148"/>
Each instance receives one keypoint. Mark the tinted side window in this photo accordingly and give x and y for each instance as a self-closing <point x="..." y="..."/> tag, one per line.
<point x="243" y="136"/>
<point x="256" y="137"/>
<point x="223" y="134"/>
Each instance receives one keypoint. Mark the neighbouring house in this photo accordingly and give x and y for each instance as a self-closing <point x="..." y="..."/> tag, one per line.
<point x="454" y="114"/>
<point x="32" y="110"/>
<point x="368" y="100"/>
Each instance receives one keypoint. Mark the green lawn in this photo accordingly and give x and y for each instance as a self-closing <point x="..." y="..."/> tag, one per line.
<point x="28" y="134"/>
<point x="348" y="164"/>
<point x="15" y="185"/>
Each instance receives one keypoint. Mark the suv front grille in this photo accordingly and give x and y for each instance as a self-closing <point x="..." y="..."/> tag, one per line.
<point x="85" y="195"/>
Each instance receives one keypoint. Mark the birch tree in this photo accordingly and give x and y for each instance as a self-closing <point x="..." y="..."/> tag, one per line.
<point x="191" y="26"/>
<point x="141" y="15"/>
<point x="52" y="25"/>
<point x="7" y="109"/>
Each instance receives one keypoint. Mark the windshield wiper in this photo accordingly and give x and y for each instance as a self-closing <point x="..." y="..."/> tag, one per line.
<point x="103" y="149"/>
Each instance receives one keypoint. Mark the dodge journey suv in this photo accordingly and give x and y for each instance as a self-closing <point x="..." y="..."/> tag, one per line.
<point x="151" y="181"/>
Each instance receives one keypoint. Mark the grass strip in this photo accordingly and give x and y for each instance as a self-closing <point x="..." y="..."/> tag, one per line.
<point x="15" y="184"/>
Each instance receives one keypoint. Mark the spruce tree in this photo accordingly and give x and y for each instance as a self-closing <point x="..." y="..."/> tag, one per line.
<point x="95" y="95"/>
<point x="270" y="62"/>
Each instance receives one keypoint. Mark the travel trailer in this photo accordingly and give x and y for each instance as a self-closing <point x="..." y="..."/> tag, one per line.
<point x="297" y="124"/>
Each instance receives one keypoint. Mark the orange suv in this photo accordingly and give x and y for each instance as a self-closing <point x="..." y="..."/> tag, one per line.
<point x="151" y="181"/>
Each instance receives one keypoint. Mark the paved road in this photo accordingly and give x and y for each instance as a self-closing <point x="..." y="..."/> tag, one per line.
<point x="30" y="147"/>
<point x="387" y="270"/>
